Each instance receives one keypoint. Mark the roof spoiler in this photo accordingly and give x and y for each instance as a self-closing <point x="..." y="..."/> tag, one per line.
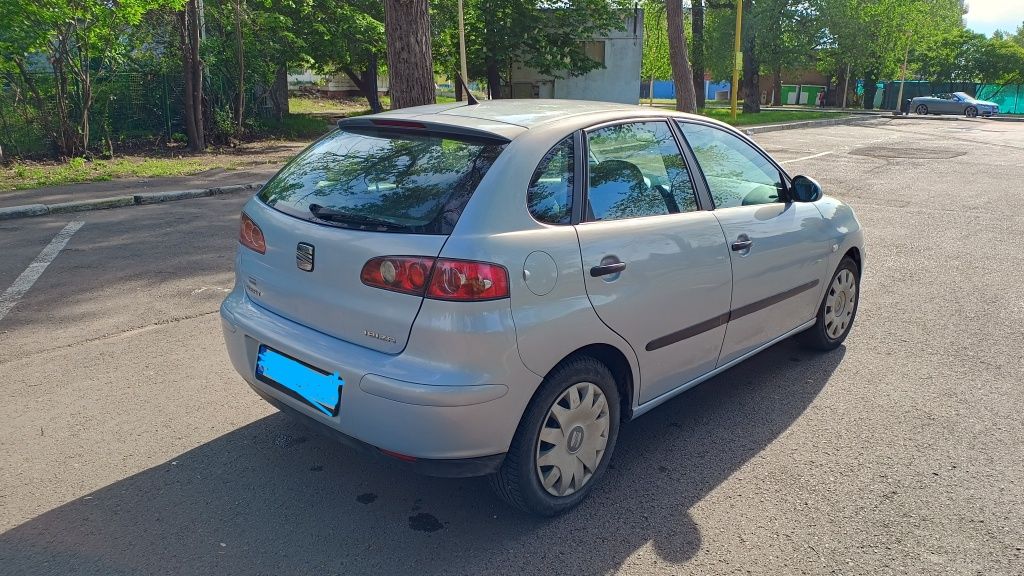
<point x="414" y="125"/>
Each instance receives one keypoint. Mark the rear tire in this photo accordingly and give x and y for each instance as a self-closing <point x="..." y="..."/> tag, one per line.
<point x="971" y="112"/>
<point x="837" y="311"/>
<point x="921" y="109"/>
<point x="572" y="422"/>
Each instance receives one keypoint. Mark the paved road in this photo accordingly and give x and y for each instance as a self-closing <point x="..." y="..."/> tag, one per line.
<point x="130" y="446"/>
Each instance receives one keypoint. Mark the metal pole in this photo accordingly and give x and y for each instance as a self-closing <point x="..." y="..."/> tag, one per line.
<point x="462" y="47"/>
<point x="903" y="80"/>
<point x="846" y="88"/>
<point x="739" y="57"/>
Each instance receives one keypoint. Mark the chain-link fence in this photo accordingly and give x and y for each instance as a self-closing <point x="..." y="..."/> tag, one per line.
<point x="130" y="109"/>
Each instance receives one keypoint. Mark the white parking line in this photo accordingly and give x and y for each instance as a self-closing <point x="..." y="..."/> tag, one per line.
<point x="11" y="296"/>
<point x="807" y="157"/>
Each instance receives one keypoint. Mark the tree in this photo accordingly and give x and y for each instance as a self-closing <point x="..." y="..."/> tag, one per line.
<point x="751" y="89"/>
<point x="192" y="74"/>
<point x="874" y="35"/>
<point x="655" y="63"/>
<point x="697" y="51"/>
<point x="682" y="75"/>
<point x="346" y="37"/>
<point x="410" y="64"/>
<point x="80" y="38"/>
<point x="1000" y="62"/>
<point x="787" y="38"/>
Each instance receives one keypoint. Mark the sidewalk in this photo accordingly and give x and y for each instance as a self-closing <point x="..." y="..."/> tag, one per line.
<point x="216" y="178"/>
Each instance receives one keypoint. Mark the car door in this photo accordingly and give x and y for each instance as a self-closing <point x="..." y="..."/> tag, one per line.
<point x="947" y="104"/>
<point x="656" y="265"/>
<point x="778" y="249"/>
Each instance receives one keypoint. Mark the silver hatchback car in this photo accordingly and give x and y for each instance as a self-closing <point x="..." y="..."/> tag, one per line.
<point x="493" y="289"/>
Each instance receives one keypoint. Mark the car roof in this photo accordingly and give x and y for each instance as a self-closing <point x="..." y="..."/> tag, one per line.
<point x="510" y="118"/>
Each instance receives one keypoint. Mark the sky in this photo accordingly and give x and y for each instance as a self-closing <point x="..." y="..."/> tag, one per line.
<point x="987" y="16"/>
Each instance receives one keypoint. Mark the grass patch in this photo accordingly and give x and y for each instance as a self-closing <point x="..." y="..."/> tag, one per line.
<point x="296" y="127"/>
<point x="20" y="176"/>
<point x="356" y="106"/>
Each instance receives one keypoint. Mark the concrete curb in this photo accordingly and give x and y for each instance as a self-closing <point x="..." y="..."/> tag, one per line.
<point x="84" y="205"/>
<point x="29" y="210"/>
<point x="751" y="130"/>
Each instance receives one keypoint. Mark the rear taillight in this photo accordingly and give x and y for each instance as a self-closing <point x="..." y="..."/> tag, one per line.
<point x="465" y="280"/>
<point x="440" y="279"/>
<point x="406" y="274"/>
<point x="251" y="236"/>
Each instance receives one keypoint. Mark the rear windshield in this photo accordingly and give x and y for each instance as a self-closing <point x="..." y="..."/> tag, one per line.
<point x="382" y="180"/>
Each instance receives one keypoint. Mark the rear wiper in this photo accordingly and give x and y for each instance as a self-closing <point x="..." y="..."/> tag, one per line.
<point x="342" y="217"/>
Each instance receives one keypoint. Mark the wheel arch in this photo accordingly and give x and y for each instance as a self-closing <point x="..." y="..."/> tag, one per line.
<point x="854" y="254"/>
<point x="620" y="367"/>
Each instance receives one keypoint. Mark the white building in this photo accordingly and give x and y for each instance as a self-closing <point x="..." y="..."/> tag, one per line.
<point x="620" y="52"/>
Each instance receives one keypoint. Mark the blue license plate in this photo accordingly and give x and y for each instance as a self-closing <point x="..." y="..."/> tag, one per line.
<point x="300" y="380"/>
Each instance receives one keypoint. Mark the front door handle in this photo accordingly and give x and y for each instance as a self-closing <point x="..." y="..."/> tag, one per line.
<point x="605" y="269"/>
<point x="742" y="243"/>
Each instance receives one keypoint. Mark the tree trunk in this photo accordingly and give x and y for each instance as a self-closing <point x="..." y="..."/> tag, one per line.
<point x="65" y="141"/>
<point x="192" y="71"/>
<point x="682" y="75"/>
<point x="777" y="86"/>
<point x="698" y="52"/>
<point x="493" y="79"/>
<point x="370" y="80"/>
<point x="240" y="57"/>
<point x="410" y="64"/>
<point x="458" y="87"/>
<point x="86" y="105"/>
<point x="279" y="91"/>
<point x="751" y="66"/>
<point x="366" y="82"/>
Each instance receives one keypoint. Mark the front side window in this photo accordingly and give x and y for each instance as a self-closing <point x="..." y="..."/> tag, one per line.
<point x="550" y="193"/>
<point x="383" y="181"/>
<point x="636" y="170"/>
<point x="736" y="173"/>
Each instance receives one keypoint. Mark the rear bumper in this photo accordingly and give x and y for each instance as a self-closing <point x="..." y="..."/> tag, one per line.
<point x="449" y="468"/>
<point x="458" y="420"/>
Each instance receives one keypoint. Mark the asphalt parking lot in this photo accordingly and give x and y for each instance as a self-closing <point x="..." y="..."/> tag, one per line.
<point x="130" y="446"/>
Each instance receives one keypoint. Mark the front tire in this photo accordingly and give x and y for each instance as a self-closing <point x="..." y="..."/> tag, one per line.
<point x="564" y="440"/>
<point x="972" y="112"/>
<point x="921" y="109"/>
<point x="837" y="311"/>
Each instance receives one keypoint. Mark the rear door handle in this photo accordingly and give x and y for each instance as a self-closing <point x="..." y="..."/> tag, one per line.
<point x="742" y="244"/>
<point x="605" y="269"/>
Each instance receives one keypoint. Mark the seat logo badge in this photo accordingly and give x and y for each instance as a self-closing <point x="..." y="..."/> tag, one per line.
<point x="575" y="439"/>
<point x="304" y="256"/>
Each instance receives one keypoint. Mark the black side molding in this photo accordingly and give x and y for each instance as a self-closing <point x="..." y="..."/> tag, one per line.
<point x="771" y="300"/>
<point x="722" y="319"/>
<point x="688" y="332"/>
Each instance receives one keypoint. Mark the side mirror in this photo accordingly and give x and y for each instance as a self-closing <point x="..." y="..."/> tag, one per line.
<point x="805" y="189"/>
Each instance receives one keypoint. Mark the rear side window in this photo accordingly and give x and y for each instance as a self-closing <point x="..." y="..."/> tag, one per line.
<point x="383" y="180"/>
<point x="550" y="192"/>
<point x="636" y="170"/>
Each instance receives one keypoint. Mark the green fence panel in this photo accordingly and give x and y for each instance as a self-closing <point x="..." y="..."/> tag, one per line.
<point x="1010" y="98"/>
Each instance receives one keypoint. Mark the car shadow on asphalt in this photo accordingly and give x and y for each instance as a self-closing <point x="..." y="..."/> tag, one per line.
<point x="273" y="498"/>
